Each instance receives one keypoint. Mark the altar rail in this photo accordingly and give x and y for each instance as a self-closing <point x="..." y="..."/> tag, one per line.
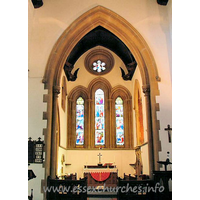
<point x="58" y="189"/>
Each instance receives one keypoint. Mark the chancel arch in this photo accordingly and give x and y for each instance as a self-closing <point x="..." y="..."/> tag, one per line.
<point x="100" y="16"/>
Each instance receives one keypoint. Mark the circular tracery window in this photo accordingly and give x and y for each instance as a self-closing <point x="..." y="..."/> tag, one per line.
<point x="99" y="66"/>
<point x="99" y="62"/>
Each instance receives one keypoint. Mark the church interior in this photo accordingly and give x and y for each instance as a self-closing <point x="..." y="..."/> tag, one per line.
<point x="99" y="97"/>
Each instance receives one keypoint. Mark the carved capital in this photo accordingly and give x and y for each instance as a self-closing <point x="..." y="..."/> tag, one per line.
<point x="158" y="78"/>
<point x="68" y="67"/>
<point x="131" y="69"/>
<point x="89" y="100"/>
<point x="70" y="100"/>
<point x="146" y="90"/>
<point x="44" y="80"/>
<point x="56" y="90"/>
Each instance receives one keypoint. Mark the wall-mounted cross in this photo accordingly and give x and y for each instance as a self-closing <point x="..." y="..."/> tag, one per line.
<point x="99" y="157"/>
<point x="169" y="129"/>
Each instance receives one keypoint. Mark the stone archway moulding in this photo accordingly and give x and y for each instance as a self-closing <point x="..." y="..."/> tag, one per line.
<point x="99" y="16"/>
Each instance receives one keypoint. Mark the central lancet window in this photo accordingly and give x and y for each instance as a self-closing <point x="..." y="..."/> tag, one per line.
<point x="80" y="121"/>
<point x="119" y="114"/>
<point x="99" y="118"/>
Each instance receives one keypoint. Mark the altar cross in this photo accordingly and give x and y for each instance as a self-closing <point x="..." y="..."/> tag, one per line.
<point x="99" y="157"/>
<point x="169" y="129"/>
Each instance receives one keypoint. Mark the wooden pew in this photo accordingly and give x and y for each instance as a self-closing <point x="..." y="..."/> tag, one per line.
<point x="144" y="188"/>
<point x="60" y="189"/>
<point x="163" y="177"/>
<point x="135" y="189"/>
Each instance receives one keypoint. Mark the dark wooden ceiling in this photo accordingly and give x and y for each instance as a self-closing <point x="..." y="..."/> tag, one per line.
<point x="101" y="37"/>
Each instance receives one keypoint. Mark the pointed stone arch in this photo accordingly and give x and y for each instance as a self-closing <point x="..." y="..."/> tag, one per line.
<point x="100" y="16"/>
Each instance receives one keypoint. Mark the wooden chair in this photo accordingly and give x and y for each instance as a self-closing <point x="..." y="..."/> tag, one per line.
<point x="71" y="177"/>
<point x="129" y="177"/>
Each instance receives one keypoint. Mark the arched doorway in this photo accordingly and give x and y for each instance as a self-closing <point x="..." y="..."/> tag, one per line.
<point x="100" y="16"/>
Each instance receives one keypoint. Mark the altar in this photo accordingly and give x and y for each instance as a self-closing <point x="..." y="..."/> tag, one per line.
<point x="101" y="175"/>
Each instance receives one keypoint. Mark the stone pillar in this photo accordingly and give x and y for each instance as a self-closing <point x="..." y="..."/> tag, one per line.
<point x="146" y="91"/>
<point x="128" y="119"/>
<point x="92" y="123"/>
<point x="108" y="125"/>
<point x="54" y="144"/>
<point x="88" y="123"/>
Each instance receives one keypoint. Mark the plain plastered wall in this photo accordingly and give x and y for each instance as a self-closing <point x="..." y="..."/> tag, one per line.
<point x="79" y="158"/>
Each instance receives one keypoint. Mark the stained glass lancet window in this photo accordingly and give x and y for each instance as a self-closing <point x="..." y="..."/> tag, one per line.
<point x="99" y="118"/>
<point x="119" y="121"/>
<point x="80" y="121"/>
